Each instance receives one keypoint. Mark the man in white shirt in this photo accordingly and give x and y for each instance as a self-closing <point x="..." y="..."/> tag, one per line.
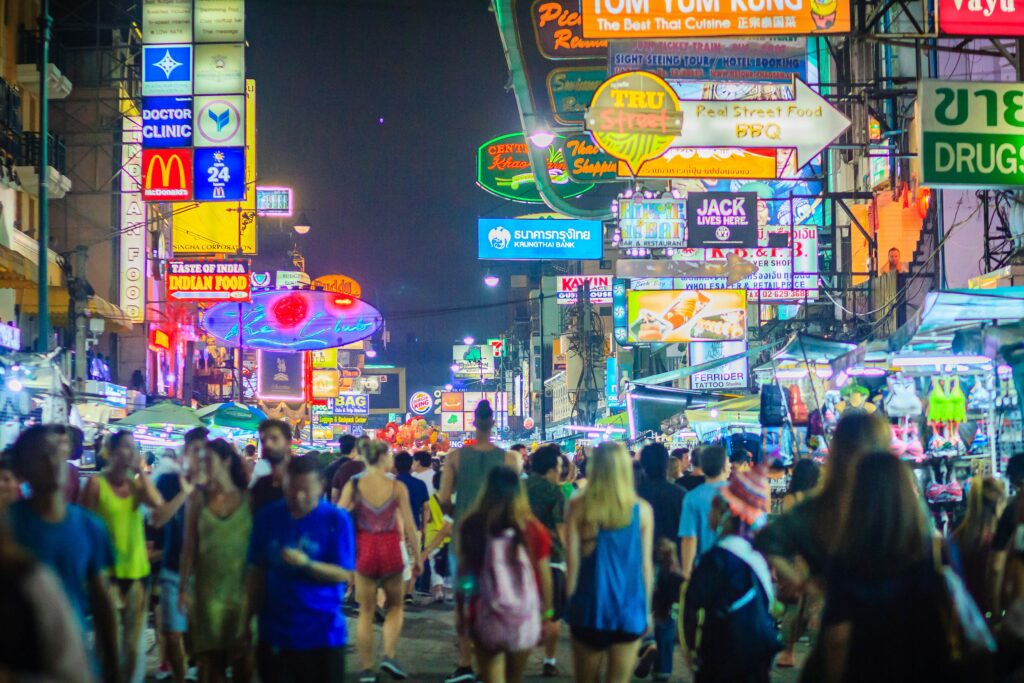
<point x="422" y="469"/>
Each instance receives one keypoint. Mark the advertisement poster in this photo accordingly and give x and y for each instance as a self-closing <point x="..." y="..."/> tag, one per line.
<point x="734" y="375"/>
<point x="571" y="90"/>
<point x="651" y="223"/>
<point x="166" y="21"/>
<point x="457" y="410"/>
<point x="351" y="403"/>
<point x="166" y="174"/>
<point x="771" y="60"/>
<point x="281" y="376"/>
<point x="687" y="315"/>
<point x="989" y="18"/>
<point x="545" y="239"/>
<point x="721" y="219"/>
<point x="208" y="281"/>
<point x="567" y="286"/>
<point x="220" y="120"/>
<point x="220" y="21"/>
<point x="166" y="122"/>
<point x="503" y="169"/>
<point x="166" y="70"/>
<point x="618" y="19"/>
<point x="971" y="134"/>
<point x="558" y="27"/>
<point x="586" y="162"/>
<point x="219" y="69"/>
<point x="325" y="383"/>
<point x="474" y="362"/>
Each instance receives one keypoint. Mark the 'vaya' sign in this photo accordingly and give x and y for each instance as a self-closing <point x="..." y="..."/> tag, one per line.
<point x="972" y="134"/>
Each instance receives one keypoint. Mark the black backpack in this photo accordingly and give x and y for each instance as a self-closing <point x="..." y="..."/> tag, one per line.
<point x="773" y="409"/>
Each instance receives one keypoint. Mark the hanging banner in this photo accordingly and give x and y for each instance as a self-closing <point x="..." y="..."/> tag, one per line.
<point x="503" y="169"/>
<point x="768" y="60"/>
<point x="721" y="219"/>
<point x="972" y="134"/>
<point x="208" y="281"/>
<point x="132" y="227"/>
<point x="690" y="18"/>
<point x="683" y="316"/>
<point x="989" y="18"/>
<point x="558" y="27"/>
<point x="734" y="375"/>
<point x="586" y="162"/>
<point x="570" y="91"/>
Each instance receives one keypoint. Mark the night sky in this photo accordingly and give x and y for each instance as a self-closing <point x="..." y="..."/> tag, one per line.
<point x="392" y="204"/>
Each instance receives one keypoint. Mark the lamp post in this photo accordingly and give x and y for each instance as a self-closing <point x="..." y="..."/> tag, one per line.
<point x="301" y="227"/>
<point x="43" y="342"/>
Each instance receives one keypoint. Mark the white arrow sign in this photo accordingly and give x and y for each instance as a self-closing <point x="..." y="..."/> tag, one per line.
<point x="807" y="123"/>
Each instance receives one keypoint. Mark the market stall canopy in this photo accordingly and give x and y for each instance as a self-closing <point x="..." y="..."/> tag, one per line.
<point x="805" y="347"/>
<point x="682" y="373"/>
<point x="617" y="420"/>
<point x="232" y="415"/>
<point x="945" y="312"/>
<point x="163" y="414"/>
<point x="742" y="409"/>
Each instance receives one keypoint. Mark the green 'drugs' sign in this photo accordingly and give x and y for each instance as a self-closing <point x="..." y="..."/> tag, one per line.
<point x="972" y="134"/>
<point x="503" y="169"/>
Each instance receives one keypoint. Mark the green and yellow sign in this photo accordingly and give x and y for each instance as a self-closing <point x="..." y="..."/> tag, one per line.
<point x="503" y="169"/>
<point x="972" y="134"/>
<point x="570" y="91"/>
<point x="586" y="162"/>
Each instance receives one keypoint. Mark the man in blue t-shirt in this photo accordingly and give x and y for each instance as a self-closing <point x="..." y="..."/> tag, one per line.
<point x="70" y="540"/>
<point x="695" y="532"/>
<point x="301" y="555"/>
<point x="418" y="497"/>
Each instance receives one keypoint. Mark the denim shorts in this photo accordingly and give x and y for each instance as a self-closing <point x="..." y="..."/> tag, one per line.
<point x="173" y="619"/>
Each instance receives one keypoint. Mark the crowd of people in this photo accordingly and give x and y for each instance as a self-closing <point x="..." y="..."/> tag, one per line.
<point x="252" y="573"/>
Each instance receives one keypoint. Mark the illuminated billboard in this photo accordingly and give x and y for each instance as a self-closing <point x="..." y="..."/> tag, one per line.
<point x="166" y="174"/>
<point x="457" y="410"/>
<point x="686" y="315"/>
<point x="568" y="286"/>
<point x="208" y="281"/>
<point x="651" y="223"/>
<point x="734" y="375"/>
<point x="132" y="280"/>
<point x="281" y="376"/>
<point x="503" y="169"/>
<point x="293" y="320"/>
<point x="532" y="239"/>
<point x="991" y="18"/>
<point x="474" y="362"/>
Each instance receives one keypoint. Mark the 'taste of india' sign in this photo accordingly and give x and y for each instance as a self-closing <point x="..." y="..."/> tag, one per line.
<point x="634" y="116"/>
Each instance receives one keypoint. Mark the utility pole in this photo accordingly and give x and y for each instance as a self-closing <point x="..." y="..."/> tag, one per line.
<point x="543" y="389"/>
<point x="43" y="341"/>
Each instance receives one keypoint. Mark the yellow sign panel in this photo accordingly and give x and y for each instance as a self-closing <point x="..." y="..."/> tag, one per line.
<point x="709" y="163"/>
<point x="325" y="383"/>
<point x="687" y="315"/>
<point x="326" y="359"/>
<point x="222" y="227"/>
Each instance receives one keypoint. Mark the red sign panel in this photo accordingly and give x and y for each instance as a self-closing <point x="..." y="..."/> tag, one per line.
<point x="991" y="18"/>
<point x="208" y="281"/>
<point x="166" y="175"/>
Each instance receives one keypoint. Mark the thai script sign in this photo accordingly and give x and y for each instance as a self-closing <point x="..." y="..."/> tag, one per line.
<point x="539" y="239"/>
<point x="586" y="162"/>
<point x="503" y="169"/>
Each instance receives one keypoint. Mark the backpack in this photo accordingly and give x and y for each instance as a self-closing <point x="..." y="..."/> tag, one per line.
<point x="773" y="410"/>
<point x="507" y="614"/>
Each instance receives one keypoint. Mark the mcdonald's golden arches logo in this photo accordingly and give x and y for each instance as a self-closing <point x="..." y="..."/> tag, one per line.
<point x="166" y="174"/>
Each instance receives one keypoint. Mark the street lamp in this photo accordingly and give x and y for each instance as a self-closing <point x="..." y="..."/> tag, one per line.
<point x="302" y="226"/>
<point x="468" y="341"/>
<point x="371" y="353"/>
<point x="491" y="280"/>
<point x="454" y="367"/>
<point x="542" y="138"/>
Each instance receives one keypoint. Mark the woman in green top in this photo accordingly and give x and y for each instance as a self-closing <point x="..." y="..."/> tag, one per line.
<point x="217" y="528"/>
<point x="117" y="496"/>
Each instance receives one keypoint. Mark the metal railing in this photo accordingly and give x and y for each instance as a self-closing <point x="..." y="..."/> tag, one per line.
<point x="30" y="151"/>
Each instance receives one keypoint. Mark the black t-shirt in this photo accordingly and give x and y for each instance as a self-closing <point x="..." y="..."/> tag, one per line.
<point x="690" y="481"/>
<point x="265" y="491"/>
<point x="331" y="470"/>
<point x="1006" y="527"/>
<point x="173" y="533"/>
<point x="666" y="500"/>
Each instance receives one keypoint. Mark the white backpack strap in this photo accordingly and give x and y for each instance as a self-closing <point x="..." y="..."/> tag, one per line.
<point x="741" y="548"/>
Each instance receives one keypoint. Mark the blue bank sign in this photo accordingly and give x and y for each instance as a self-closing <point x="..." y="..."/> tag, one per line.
<point x="166" y="69"/>
<point x="539" y="239"/>
<point x="219" y="174"/>
<point x="166" y="122"/>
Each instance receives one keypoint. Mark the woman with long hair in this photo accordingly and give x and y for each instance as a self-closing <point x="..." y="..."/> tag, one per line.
<point x="502" y="511"/>
<point x="117" y="496"/>
<point x="383" y="517"/>
<point x="610" y="570"/>
<point x="802" y="484"/>
<point x="986" y="497"/>
<point x="882" y="619"/>
<point x="218" y="524"/>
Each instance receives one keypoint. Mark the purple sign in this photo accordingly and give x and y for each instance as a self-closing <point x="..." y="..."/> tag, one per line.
<point x="293" y="320"/>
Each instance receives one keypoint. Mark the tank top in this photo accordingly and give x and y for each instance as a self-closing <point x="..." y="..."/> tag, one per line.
<point x="610" y="592"/>
<point x="474" y="466"/>
<point x="375" y="519"/>
<point x="125" y="524"/>
<point x="436" y="522"/>
<point x="220" y="578"/>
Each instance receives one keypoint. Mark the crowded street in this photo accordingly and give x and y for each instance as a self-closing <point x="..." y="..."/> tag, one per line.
<point x="490" y="341"/>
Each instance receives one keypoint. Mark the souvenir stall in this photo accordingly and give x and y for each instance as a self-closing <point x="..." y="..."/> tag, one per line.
<point x="654" y="412"/>
<point x="161" y="425"/>
<point x="236" y="422"/>
<point x="941" y="383"/>
<point x="33" y="389"/>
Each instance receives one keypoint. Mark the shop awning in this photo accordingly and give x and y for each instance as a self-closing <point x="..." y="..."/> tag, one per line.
<point x="945" y="312"/>
<point x="117" y="319"/>
<point x="812" y="349"/>
<point x="682" y="373"/>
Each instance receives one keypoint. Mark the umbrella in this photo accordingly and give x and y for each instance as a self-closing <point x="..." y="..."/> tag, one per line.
<point x="165" y="414"/>
<point x="232" y="416"/>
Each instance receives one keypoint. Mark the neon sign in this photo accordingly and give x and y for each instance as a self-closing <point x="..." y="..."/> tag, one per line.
<point x="293" y="320"/>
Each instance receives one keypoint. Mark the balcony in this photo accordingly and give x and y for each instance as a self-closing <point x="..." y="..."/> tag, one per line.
<point x="27" y="163"/>
<point x="58" y="86"/>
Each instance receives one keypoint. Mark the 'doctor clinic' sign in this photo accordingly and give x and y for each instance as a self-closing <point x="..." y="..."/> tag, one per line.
<point x="536" y="239"/>
<point x="972" y="134"/>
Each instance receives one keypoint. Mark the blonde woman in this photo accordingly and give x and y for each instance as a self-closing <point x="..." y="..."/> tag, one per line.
<point x="380" y="508"/>
<point x="610" y="572"/>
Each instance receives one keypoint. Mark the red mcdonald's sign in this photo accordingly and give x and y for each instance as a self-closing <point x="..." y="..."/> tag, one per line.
<point x="166" y="175"/>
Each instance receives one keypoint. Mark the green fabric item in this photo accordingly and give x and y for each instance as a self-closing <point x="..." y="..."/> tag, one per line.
<point x="220" y="578"/>
<point x="548" y="505"/>
<point x="126" y="526"/>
